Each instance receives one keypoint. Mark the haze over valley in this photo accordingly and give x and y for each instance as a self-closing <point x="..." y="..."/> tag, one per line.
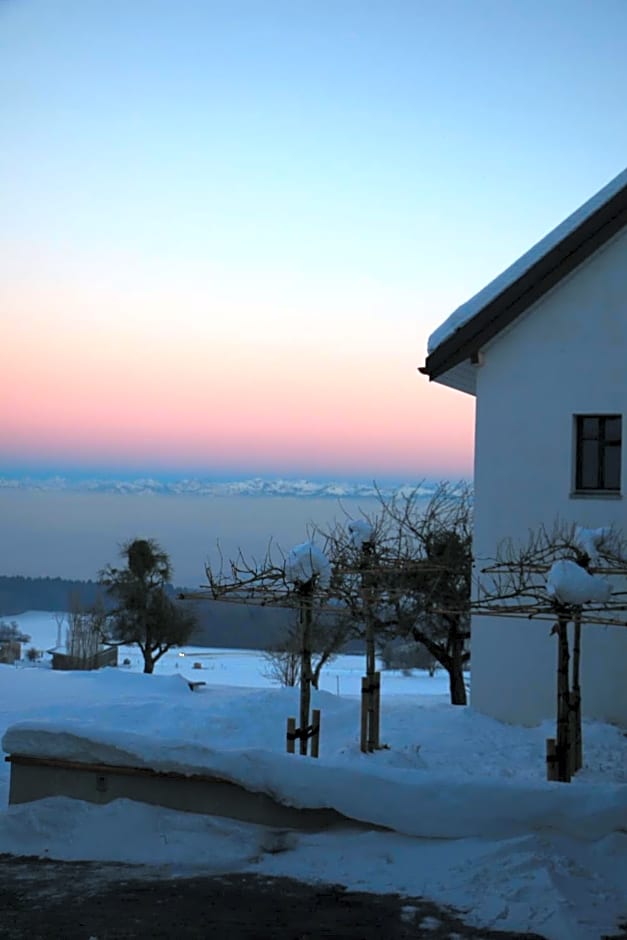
<point x="69" y="532"/>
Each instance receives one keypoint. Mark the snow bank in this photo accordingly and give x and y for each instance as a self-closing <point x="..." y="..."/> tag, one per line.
<point x="445" y="770"/>
<point x="569" y="583"/>
<point x="387" y="797"/>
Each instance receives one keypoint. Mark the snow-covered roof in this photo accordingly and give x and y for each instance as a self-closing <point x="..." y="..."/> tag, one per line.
<point x="524" y="265"/>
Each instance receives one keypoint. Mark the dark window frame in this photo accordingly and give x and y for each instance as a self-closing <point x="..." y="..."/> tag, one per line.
<point x="602" y="442"/>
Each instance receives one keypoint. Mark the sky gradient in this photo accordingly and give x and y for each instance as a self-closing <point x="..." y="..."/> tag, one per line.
<point x="228" y="228"/>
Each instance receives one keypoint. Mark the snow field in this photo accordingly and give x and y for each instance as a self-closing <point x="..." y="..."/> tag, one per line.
<point x="474" y="822"/>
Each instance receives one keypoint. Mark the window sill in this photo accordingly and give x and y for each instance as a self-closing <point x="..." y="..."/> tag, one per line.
<point x="596" y="494"/>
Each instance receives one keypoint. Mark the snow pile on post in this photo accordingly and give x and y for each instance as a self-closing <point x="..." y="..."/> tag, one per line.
<point x="569" y="583"/>
<point x="590" y="540"/>
<point x="360" y="531"/>
<point x="306" y="562"/>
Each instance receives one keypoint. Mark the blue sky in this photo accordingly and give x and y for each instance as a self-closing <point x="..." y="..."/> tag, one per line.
<point x="262" y="209"/>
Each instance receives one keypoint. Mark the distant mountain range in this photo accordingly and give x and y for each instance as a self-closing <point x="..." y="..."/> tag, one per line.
<point x="200" y="487"/>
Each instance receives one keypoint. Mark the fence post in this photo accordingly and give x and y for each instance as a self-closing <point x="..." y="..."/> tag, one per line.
<point x="563" y="746"/>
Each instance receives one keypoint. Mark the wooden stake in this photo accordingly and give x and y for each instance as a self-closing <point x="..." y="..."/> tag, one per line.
<point x="577" y="743"/>
<point x="551" y="759"/>
<point x="563" y="702"/>
<point x="315" y="738"/>
<point x="376" y="710"/>
<point x="572" y="737"/>
<point x="291" y="735"/>
<point x="370" y="713"/>
<point x="364" y="715"/>
<point x="306" y="612"/>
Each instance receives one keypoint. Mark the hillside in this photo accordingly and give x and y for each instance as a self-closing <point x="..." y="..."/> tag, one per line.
<point x="222" y="625"/>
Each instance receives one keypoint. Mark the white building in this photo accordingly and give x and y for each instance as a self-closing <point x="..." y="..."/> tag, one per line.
<point x="544" y="350"/>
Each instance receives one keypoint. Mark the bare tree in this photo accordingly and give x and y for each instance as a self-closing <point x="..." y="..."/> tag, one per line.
<point x="329" y="634"/>
<point x="282" y="666"/>
<point x="86" y="630"/>
<point x="12" y="633"/>
<point x="412" y="577"/>
<point x="300" y="581"/>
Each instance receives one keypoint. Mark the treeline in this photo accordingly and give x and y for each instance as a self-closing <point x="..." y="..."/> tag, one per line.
<point x="19" y="594"/>
<point x="220" y="625"/>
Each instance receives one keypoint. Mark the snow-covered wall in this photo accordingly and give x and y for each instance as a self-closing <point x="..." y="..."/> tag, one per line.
<point x="566" y="356"/>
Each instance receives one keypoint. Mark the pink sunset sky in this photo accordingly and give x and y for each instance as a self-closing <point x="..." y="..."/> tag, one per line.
<point x="143" y="393"/>
<point x="228" y="229"/>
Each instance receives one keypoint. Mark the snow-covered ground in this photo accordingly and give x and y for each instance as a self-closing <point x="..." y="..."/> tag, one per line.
<point x="473" y="822"/>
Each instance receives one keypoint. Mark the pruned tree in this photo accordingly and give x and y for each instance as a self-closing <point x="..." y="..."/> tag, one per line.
<point x="561" y="575"/>
<point x="144" y="613"/>
<point x="298" y="580"/>
<point x="306" y="571"/>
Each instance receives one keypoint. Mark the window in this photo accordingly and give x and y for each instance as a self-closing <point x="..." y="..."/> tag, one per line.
<point x="598" y="452"/>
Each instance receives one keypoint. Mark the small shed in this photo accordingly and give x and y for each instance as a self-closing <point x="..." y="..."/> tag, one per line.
<point x="105" y="656"/>
<point x="10" y="652"/>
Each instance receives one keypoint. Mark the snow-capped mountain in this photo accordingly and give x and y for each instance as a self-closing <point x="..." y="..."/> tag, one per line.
<point x="203" y="487"/>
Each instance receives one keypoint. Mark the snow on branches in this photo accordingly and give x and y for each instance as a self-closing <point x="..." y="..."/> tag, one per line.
<point x="569" y="583"/>
<point x="307" y="563"/>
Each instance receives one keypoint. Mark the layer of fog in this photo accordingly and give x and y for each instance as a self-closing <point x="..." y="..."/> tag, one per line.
<point x="73" y="535"/>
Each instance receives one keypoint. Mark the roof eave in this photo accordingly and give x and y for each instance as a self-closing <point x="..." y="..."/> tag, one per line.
<point x="461" y="377"/>
<point x="465" y="343"/>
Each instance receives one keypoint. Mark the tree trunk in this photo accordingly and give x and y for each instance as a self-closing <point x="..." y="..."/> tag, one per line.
<point x="453" y="663"/>
<point x="315" y="673"/>
<point x="369" y="700"/>
<point x="456" y="667"/>
<point x="305" y="670"/>
<point x="149" y="663"/>
<point x="456" y="683"/>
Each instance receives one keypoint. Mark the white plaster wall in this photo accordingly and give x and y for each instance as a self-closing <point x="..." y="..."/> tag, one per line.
<point x="566" y="356"/>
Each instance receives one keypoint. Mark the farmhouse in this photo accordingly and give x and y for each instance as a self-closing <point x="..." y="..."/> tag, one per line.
<point x="544" y="350"/>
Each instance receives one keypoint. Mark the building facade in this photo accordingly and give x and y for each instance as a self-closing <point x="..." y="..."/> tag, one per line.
<point x="544" y="349"/>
